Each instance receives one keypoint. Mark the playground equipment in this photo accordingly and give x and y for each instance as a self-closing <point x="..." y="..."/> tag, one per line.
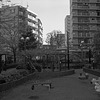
<point x="44" y="83"/>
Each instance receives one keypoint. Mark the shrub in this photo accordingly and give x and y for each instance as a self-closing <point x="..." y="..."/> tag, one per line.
<point x="2" y="81"/>
<point x="38" y="67"/>
<point x="9" y="66"/>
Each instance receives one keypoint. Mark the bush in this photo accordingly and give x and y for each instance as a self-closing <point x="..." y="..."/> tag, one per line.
<point x="9" y="66"/>
<point x="38" y="67"/>
<point x="2" y="81"/>
<point x="23" y="72"/>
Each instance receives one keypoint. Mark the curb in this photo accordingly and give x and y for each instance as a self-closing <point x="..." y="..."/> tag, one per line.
<point x="91" y="71"/>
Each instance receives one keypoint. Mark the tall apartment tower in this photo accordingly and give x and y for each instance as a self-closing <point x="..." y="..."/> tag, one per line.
<point x="39" y="32"/>
<point x="85" y="21"/>
<point x="68" y="30"/>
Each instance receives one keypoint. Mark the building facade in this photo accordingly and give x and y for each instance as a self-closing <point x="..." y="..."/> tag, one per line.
<point x="21" y="18"/>
<point x="85" y="21"/>
<point x="60" y="40"/>
<point x="68" y="30"/>
<point x="40" y="32"/>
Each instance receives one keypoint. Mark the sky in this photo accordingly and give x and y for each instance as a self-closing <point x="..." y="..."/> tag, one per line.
<point x="52" y="13"/>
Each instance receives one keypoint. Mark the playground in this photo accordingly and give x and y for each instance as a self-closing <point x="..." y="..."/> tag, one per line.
<point x="63" y="88"/>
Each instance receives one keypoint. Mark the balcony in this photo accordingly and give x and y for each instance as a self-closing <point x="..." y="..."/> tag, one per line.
<point x="81" y="22"/>
<point x="33" y="21"/>
<point x="75" y="37"/>
<point x="98" y="21"/>
<point x="80" y="7"/>
<point x="93" y="28"/>
<point x="80" y="15"/>
<point x="93" y="7"/>
<point x="93" y="15"/>
<point x="75" y="28"/>
<point x="93" y="22"/>
<point x="84" y="15"/>
<point x="80" y="1"/>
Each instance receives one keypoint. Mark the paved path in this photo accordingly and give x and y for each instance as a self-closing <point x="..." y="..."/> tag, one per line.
<point x="65" y="88"/>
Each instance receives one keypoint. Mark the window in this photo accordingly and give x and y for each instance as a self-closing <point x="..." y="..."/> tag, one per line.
<point x="92" y="12"/>
<point x="93" y="26"/>
<point x="12" y="10"/>
<point x="80" y="41"/>
<point x="79" y="4"/>
<point x="98" y="19"/>
<point x="75" y="26"/>
<point x="83" y="34"/>
<point x="20" y="20"/>
<point x="80" y="27"/>
<point x="88" y="34"/>
<point x="92" y="33"/>
<point x="98" y="13"/>
<point x="21" y="13"/>
<point x="30" y="23"/>
<point x="82" y="0"/>
<point x="92" y="5"/>
<point x="29" y="16"/>
<point x="85" y="40"/>
<point x="98" y="27"/>
<point x="74" y="34"/>
<point x="84" y="20"/>
<point x="74" y="5"/>
<point x="80" y="34"/>
<point x="74" y="12"/>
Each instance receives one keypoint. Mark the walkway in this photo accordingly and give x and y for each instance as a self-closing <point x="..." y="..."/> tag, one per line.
<point x="65" y="88"/>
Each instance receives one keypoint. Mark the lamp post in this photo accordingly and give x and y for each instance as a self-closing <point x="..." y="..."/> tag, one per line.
<point x="82" y="42"/>
<point x="68" y="49"/>
<point x="89" y="55"/>
<point x="25" y="40"/>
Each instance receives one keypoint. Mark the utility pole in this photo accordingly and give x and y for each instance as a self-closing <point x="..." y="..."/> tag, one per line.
<point x="68" y="49"/>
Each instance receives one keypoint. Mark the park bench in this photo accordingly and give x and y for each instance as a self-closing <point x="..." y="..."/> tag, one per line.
<point x="43" y="83"/>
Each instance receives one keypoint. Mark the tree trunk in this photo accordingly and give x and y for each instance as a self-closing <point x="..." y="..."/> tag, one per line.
<point x="14" y="54"/>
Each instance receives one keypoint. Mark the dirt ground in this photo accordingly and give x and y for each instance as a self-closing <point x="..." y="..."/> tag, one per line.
<point x="63" y="88"/>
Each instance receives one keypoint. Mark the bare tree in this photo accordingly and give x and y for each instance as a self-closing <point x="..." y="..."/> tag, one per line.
<point x="96" y="48"/>
<point x="9" y="34"/>
<point x="52" y="38"/>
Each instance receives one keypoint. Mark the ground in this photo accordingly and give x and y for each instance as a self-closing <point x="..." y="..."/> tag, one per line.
<point x="63" y="88"/>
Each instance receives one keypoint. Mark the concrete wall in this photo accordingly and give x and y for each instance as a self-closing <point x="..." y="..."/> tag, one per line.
<point x="91" y="71"/>
<point x="38" y="75"/>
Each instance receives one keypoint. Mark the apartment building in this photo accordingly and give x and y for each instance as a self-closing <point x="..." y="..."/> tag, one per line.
<point x="21" y="18"/>
<point x="39" y="32"/>
<point x="31" y="20"/>
<point x="68" y="30"/>
<point x="60" y="40"/>
<point x="85" y="21"/>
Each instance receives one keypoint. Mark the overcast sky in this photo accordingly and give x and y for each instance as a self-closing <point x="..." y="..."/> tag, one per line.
<point x="51" y="12"/>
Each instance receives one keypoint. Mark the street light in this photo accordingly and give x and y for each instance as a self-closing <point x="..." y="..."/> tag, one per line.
<point x="89" y="55"/>
<point x="81" y="45"/>
<point x="68" y="49"/>
<point x="25" y="40"/>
